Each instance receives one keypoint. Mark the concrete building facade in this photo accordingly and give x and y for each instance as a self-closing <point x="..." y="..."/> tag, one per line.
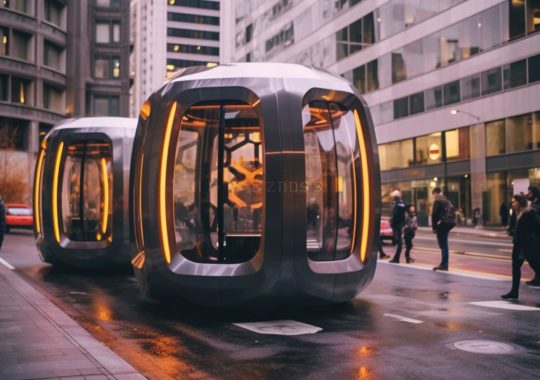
<point x="453" y="85"/>
<point x="170" y="35"/>
<point x="58" y="59"/>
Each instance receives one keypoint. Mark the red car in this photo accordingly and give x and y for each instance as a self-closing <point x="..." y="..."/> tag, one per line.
<point x="386" y="232"/>
<point x="19" y="215"/>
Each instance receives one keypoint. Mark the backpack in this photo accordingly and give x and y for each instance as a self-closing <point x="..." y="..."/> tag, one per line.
<point x="448" y="216"/>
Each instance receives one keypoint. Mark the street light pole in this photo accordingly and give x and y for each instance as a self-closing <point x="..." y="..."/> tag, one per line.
<point x="456" y="111"/>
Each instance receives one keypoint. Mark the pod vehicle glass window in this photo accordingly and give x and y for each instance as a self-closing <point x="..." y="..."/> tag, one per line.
<point x="255" y="182"/>
<point x="81" y="192"/>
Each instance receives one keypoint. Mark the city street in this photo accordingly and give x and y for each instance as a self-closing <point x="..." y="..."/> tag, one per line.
<point x="410" y="323"/>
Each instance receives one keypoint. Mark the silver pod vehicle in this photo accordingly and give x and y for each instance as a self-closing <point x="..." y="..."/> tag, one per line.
<point x="81" y="192"/>
<point x="255" y="183"/>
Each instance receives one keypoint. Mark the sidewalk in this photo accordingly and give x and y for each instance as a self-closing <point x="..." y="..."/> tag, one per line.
<point x="494" y="232"/>
<point x="40" y="341"/>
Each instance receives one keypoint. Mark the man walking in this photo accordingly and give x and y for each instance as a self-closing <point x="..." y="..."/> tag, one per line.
<point x="440" y="208"/>
<point x="397" y="222"/>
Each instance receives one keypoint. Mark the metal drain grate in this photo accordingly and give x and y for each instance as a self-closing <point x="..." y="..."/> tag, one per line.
<point x="483" y="347"/>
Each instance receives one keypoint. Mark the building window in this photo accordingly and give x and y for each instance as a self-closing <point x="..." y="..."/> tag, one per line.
<point x="53" y="12"/>
<point x="108" y="3"/>
<point x="399" y="68"/>
<point x="491" y="81"/>
<point x="470" y="87"/>
<point x="401" y="107"/>
<point x="515" y="74"/>
<point x="4" y="88"/>
<point x="495" y="138"/>
<point x="53" y="56"/>
<point x="395" y="155"/>
<point x="197" y="34"/>
<point x="359" y="78"/>
<point x="433" y="98"/>
<point x="21" y="45"/>
<point x="14" y="133"/>
<point x="107" y="67"/>
<point x="193" y="49"/>
<point x="536" y="130"/>
<point x="534" y="68"/>
<point x="416" y="103"/>
<point x="106" y="105"/>
<point x="4" y="41"/>
<point x="457" y="144"/>
<point x="533" y="16"/>
<point x="53" y="99"/>
<point x="20" y="91"/>
<point x="428" y="149"/>
<point x="519" y="133"/>
<point x="196" y="4"/>
<point x="451" y="93"/>
<point x="516" y="18"/>
<point x="372" y="76"/>
<point x="22" y="6"/>
<point x="107" y="32"/>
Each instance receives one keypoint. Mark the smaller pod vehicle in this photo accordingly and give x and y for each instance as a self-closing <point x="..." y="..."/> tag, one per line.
<point x="255" y="184"/>
<point x="81" y="193"/>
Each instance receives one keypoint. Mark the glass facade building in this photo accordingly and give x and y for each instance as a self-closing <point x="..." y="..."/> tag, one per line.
<point x="452" y="85"/>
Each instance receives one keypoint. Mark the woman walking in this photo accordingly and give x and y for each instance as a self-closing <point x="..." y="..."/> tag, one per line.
<point x="525" y="238"/>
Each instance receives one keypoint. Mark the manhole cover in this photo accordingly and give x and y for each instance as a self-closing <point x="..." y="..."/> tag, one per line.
<point x="483" y="347"/>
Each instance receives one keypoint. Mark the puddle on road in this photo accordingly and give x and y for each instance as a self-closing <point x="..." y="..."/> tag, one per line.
<point x="483" y="347"/>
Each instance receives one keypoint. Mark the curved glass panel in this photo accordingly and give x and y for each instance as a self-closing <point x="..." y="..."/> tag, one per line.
<point x="87" y="191"/>
<point x="218" y="185"/>
<point x="331" y="157"/>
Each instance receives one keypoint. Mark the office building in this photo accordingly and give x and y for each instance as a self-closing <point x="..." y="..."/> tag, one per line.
<point x="453" y="85"/>
<point x="58" y="59"/>
<point x="170" y="35"/>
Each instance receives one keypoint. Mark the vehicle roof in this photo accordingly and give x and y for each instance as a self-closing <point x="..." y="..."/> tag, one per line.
<point x="283" y="71"/>
<point x="97" y="122"/>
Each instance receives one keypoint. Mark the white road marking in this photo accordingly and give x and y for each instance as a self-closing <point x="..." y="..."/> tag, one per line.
<point x="6" y="264"/>
<point x="403" y="319"/>
<point x="505" y="250"/>
<point x="505" y="305"/>
<point x="283" y="327"/>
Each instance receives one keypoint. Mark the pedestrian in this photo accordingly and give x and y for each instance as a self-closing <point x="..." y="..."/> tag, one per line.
<point x="503" y="212"/>
<point x="441" y="228"/>
<point x="2" y="221"/>
<point x="526" y="239"/>
<point x="533" y="195"/>
<point x="411" y="225"/>
<point x="397" y="222"/>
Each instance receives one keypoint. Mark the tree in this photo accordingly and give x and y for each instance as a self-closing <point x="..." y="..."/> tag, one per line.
<point x="13" y="171"/>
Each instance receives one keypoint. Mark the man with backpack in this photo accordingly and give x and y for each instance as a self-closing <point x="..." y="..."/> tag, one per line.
<point x="397" y="222"/>
<point x="443" y="219"/>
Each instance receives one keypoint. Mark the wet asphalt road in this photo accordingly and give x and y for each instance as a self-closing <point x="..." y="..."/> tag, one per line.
<point x="402" y="327"/>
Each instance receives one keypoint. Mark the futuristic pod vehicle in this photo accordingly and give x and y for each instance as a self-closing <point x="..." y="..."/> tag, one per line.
<point x="255" y="183"/>
<point x="81" y="192"/>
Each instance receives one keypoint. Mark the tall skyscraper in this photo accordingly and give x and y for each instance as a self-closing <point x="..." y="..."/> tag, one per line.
<point x="452" y="85"/>
<point x="169" y="35"/>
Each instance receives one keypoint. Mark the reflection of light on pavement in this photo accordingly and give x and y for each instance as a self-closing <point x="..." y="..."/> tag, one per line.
<point x="103" y="312"/>
<point x="284" y="327"/>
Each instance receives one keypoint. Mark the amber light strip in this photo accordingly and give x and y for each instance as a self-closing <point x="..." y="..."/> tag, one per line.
<point x="37" y="191"/>
<point x="366" y="210"/>
<point x="163" y="186"/>
<point x="105" y="180"/>
<point x="56" y="174"/>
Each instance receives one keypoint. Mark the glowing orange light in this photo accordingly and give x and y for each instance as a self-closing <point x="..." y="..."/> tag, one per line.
<point x="163" y="186"/>
<point x="37" y="191"/>
<point x="56" y="174"/>
<point x="365" y="187"/>
<point x="105" y="180"/>
<point x="145" y="110"/>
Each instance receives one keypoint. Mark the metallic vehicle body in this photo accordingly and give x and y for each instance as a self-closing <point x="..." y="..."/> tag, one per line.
<point x="255" y="184"/>
<point x="81" y="192"/>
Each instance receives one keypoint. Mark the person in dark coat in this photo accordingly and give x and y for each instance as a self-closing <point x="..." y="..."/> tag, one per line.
<point x="526" y="239"/>
<point x="533" y="195"/>
<point x="397" y="222"/>
<point x="2" y="221"/>
<point x="503" y="212"/>
<point x="439" y="228"/>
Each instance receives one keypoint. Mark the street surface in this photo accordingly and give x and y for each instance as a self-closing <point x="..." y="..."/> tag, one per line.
<point x="411" y="322"/>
